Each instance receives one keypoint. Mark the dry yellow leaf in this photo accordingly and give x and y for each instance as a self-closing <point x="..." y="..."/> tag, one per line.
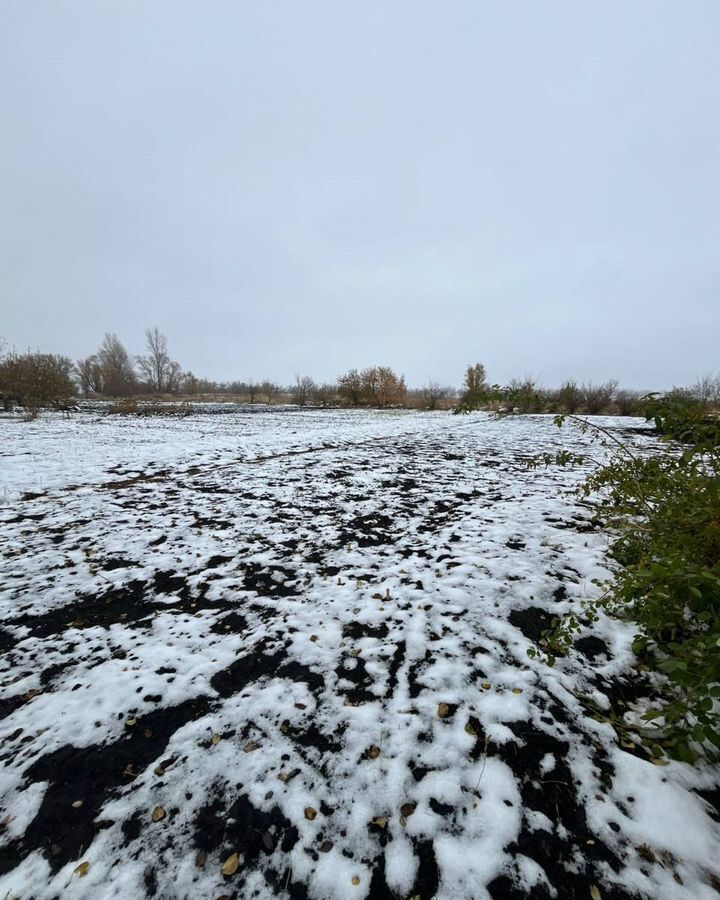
<point x="380" y="821"/>
<point x="231" y="865"/>
<point x="77" y="804"/>
<point x="443" y="710"/>
<point x="215" y="739"/>
<point x="486" y="685"/>
<point x="374" y="752"/>
<point x="310" y="812"/>
<point x="250" y="746"/>
<point x="158" y="813"/>
<point x="595" y="892"/>
<point x="82" y="869"/>
<point x="517" y="690"/>
<point x="356" y="879"/>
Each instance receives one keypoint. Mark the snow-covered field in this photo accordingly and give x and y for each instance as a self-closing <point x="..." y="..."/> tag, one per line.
<point x="284" y="654"/>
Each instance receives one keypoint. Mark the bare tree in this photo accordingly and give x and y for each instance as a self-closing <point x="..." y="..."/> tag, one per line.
<point x="118" y="374"/>
<point x="627" y="402"/>
<point x="432" y="393"/>
<point x="253" y="389"/>
<point x="160" y="372"/>
<point x="350" y="387"/>
<point x="90" y="375"/>
<point x="270" y="390"/>
<point x="302" y="389"/>
<point x="324" y="394"/>
<point x="707" y="389"/>
<point x="189" y="383"/>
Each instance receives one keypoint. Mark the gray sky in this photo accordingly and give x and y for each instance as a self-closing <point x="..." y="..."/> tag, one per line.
<point x="292" y="187"/>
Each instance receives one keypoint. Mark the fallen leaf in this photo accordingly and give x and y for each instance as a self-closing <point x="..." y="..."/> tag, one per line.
<point x="313" y="638"/>
<point x="407" y="809"/>
<point x="82" y="869"/>
<point x="356" y="879"/>
<point x="356" y="610"/>
<point x="595" y="892"/>
<point x="310" y="813"/>
<point x="517" y="690"/>
<point x="380" y="821"/>
<point x="77" y="804"/>
<point x="374" y="752"/>
<point x="443" y="710"/>
<point x="326" y="846"/>
<point x="158" y="813"/>
<point x="215" y="739"/>
<point x="147" y="733"/>
<point x="131" y="722"/>
<point x="231" y="865"/>
<point x="250" y="746"/>
<point x="470" y="728"/>
<point x="486" y="685"/>
<point x="300" y="706"/>
<point x="200" y="859"/>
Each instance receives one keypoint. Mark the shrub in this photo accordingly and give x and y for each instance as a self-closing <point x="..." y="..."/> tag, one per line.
<point x="664" y="515"/>
<point x="627" y="402"/>
<point x="350" y="387"/>
<point x="525" y="396"/>
<point x="569" y="397"/>
<point x="597" y="398"/>
<point x="38" y="381"/>
<point x="382" y="387"/>
<point x="680" y="415"/>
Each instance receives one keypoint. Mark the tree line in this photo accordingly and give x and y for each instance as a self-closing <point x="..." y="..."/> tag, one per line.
<point x="37" y="380"/>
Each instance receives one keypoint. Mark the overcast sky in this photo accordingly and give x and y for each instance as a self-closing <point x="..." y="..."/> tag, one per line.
<point x="288" y="187"/>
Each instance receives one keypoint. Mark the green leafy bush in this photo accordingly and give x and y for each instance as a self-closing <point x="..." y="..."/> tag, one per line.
<point x="664" y="514"/>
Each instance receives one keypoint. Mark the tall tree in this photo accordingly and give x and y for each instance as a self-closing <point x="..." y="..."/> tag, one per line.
<point x="160" y="372"/>
<point x="90" y="374"/>
<point x="117" y="369"/>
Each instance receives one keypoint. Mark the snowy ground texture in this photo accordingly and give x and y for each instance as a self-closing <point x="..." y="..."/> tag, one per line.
<point x="284" y="654"/>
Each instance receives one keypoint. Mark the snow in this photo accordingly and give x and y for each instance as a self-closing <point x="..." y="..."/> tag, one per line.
<point x="242" y="617"/>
